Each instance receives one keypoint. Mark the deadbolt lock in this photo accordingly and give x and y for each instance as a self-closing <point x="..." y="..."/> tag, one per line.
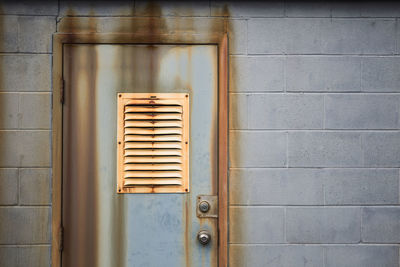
<point x="207" y="206"/>
<point x="204" y="206"/>
<point x="204" y="237"/>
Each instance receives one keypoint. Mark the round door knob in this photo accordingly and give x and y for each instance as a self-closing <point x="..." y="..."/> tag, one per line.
<point x="204" y="237"/>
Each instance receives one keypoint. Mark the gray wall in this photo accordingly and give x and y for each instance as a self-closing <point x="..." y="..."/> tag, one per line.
<point x="314" y="119"/>
<point x="25" y="130"/>
<point x="315" y="141"/>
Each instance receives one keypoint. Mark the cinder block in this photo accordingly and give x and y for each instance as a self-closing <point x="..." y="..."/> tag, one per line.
<point x="279" y="111"/>
<point x="380" y="9"/>
<point x="380" y="74"/>
<point x="361" y="186"/>
<point x="275" y="256"/>
<point x="311" y="8"/>
<point x="323" y="225"/>
<point x="237" y="36"/>
<point x="345" y="111"/>
<point x="8" y="110"/>
<point x="8" y="256"/>
<point x="349" y="36"/>
<point x="365" y="9"/>
<point x="22" y="225"/>
<point x="381" y="225"/>
<point x="331" y="74"/>
<point x="32" y="256"/>
<point x="8" y="187"/>
<point x="100" y="8"/>
<point x="256" y="225"/>
<point x="35" y="186"/>
<point x="25" y="149"/>
<point x="35" y="110"/>
<point x="256" y="73"/>
<point x="8" y="34"/>
<point x="276" y="187"/>
<point x="89" y="24"/>
<point x="324" y="149"/>
<point x="26" y="7"/>
<point x="34" y="148"/>
<point x="238" y="115"/>
<point x="35" y="33"/>
<point x="285" y="36"/>
<point x="381" y="149"/>
<point x="397" y="38"/>
<point x="346" y="8"/>
<point x="257" y="149"/>
<point x="36" y="70"/>
<point x="247" y="9"/>
<point x="9" y="153"/>
<point x="361" y="256"/>
<point x="172" y="8"/>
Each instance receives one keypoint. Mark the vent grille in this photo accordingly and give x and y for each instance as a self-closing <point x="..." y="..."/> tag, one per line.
<point x="153" y="145"/>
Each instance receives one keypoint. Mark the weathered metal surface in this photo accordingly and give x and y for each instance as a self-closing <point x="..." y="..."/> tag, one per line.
<point x="212" y="202"/>
<point x="103" y="228"/>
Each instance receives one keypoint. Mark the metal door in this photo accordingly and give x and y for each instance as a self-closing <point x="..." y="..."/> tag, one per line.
<point x="101" y="227"/>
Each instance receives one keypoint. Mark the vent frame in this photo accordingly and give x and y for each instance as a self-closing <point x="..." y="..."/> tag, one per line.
<point x="125" y="99"/>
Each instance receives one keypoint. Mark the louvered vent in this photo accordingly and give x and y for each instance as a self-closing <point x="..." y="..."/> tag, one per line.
<point x="153" y="145"/>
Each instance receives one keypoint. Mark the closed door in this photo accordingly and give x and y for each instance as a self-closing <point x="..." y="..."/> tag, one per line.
<point x="104" y="227"/>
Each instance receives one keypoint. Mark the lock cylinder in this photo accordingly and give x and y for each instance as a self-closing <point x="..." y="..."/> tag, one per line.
<point x="204" y="237"/>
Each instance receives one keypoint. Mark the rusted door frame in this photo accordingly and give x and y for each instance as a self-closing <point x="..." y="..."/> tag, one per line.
<point x="219" y="39"/>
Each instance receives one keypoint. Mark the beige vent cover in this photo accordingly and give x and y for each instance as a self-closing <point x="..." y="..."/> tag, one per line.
<point x="153" y="143"/>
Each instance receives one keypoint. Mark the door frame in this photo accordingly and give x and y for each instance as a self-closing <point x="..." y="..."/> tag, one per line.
<point x="220" y="39"/>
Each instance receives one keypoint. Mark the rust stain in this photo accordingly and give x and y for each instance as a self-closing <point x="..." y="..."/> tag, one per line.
<point x="188" y="229"/>
<point x="214" y="140"/>
<point x="233" y="145"/>
<point x="153" y="9"/>
<point x="81" y="219"/>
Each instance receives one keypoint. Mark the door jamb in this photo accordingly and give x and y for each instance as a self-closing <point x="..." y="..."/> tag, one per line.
<point x="219" y="39"/>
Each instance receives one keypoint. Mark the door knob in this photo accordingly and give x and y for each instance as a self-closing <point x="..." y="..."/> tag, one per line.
<point x="204" y="237"/>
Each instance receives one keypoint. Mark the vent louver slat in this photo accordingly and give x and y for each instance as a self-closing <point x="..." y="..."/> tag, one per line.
<point x="153" y="138"/>
<point x="152" y="160"/>
<point x="153" y="152"/>
<point x="153" y="116"/>
<point x="152" y="124"/>
<point x="153" y="143"/>
<point x="152" y="131"/>
<point x="149" y="182"/>
<point x="161" y="167"/>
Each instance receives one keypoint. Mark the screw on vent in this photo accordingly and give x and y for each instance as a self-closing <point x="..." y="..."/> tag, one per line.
<point x="204" y="237"/>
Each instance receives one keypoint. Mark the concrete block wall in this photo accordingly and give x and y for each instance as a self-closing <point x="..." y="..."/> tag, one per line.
<point x="314" y="128"/>
<point x="315" y="141"/>
<point x="25" y="128"/>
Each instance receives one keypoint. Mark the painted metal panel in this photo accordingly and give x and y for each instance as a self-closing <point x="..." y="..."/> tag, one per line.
<point x="103" y="228"/>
